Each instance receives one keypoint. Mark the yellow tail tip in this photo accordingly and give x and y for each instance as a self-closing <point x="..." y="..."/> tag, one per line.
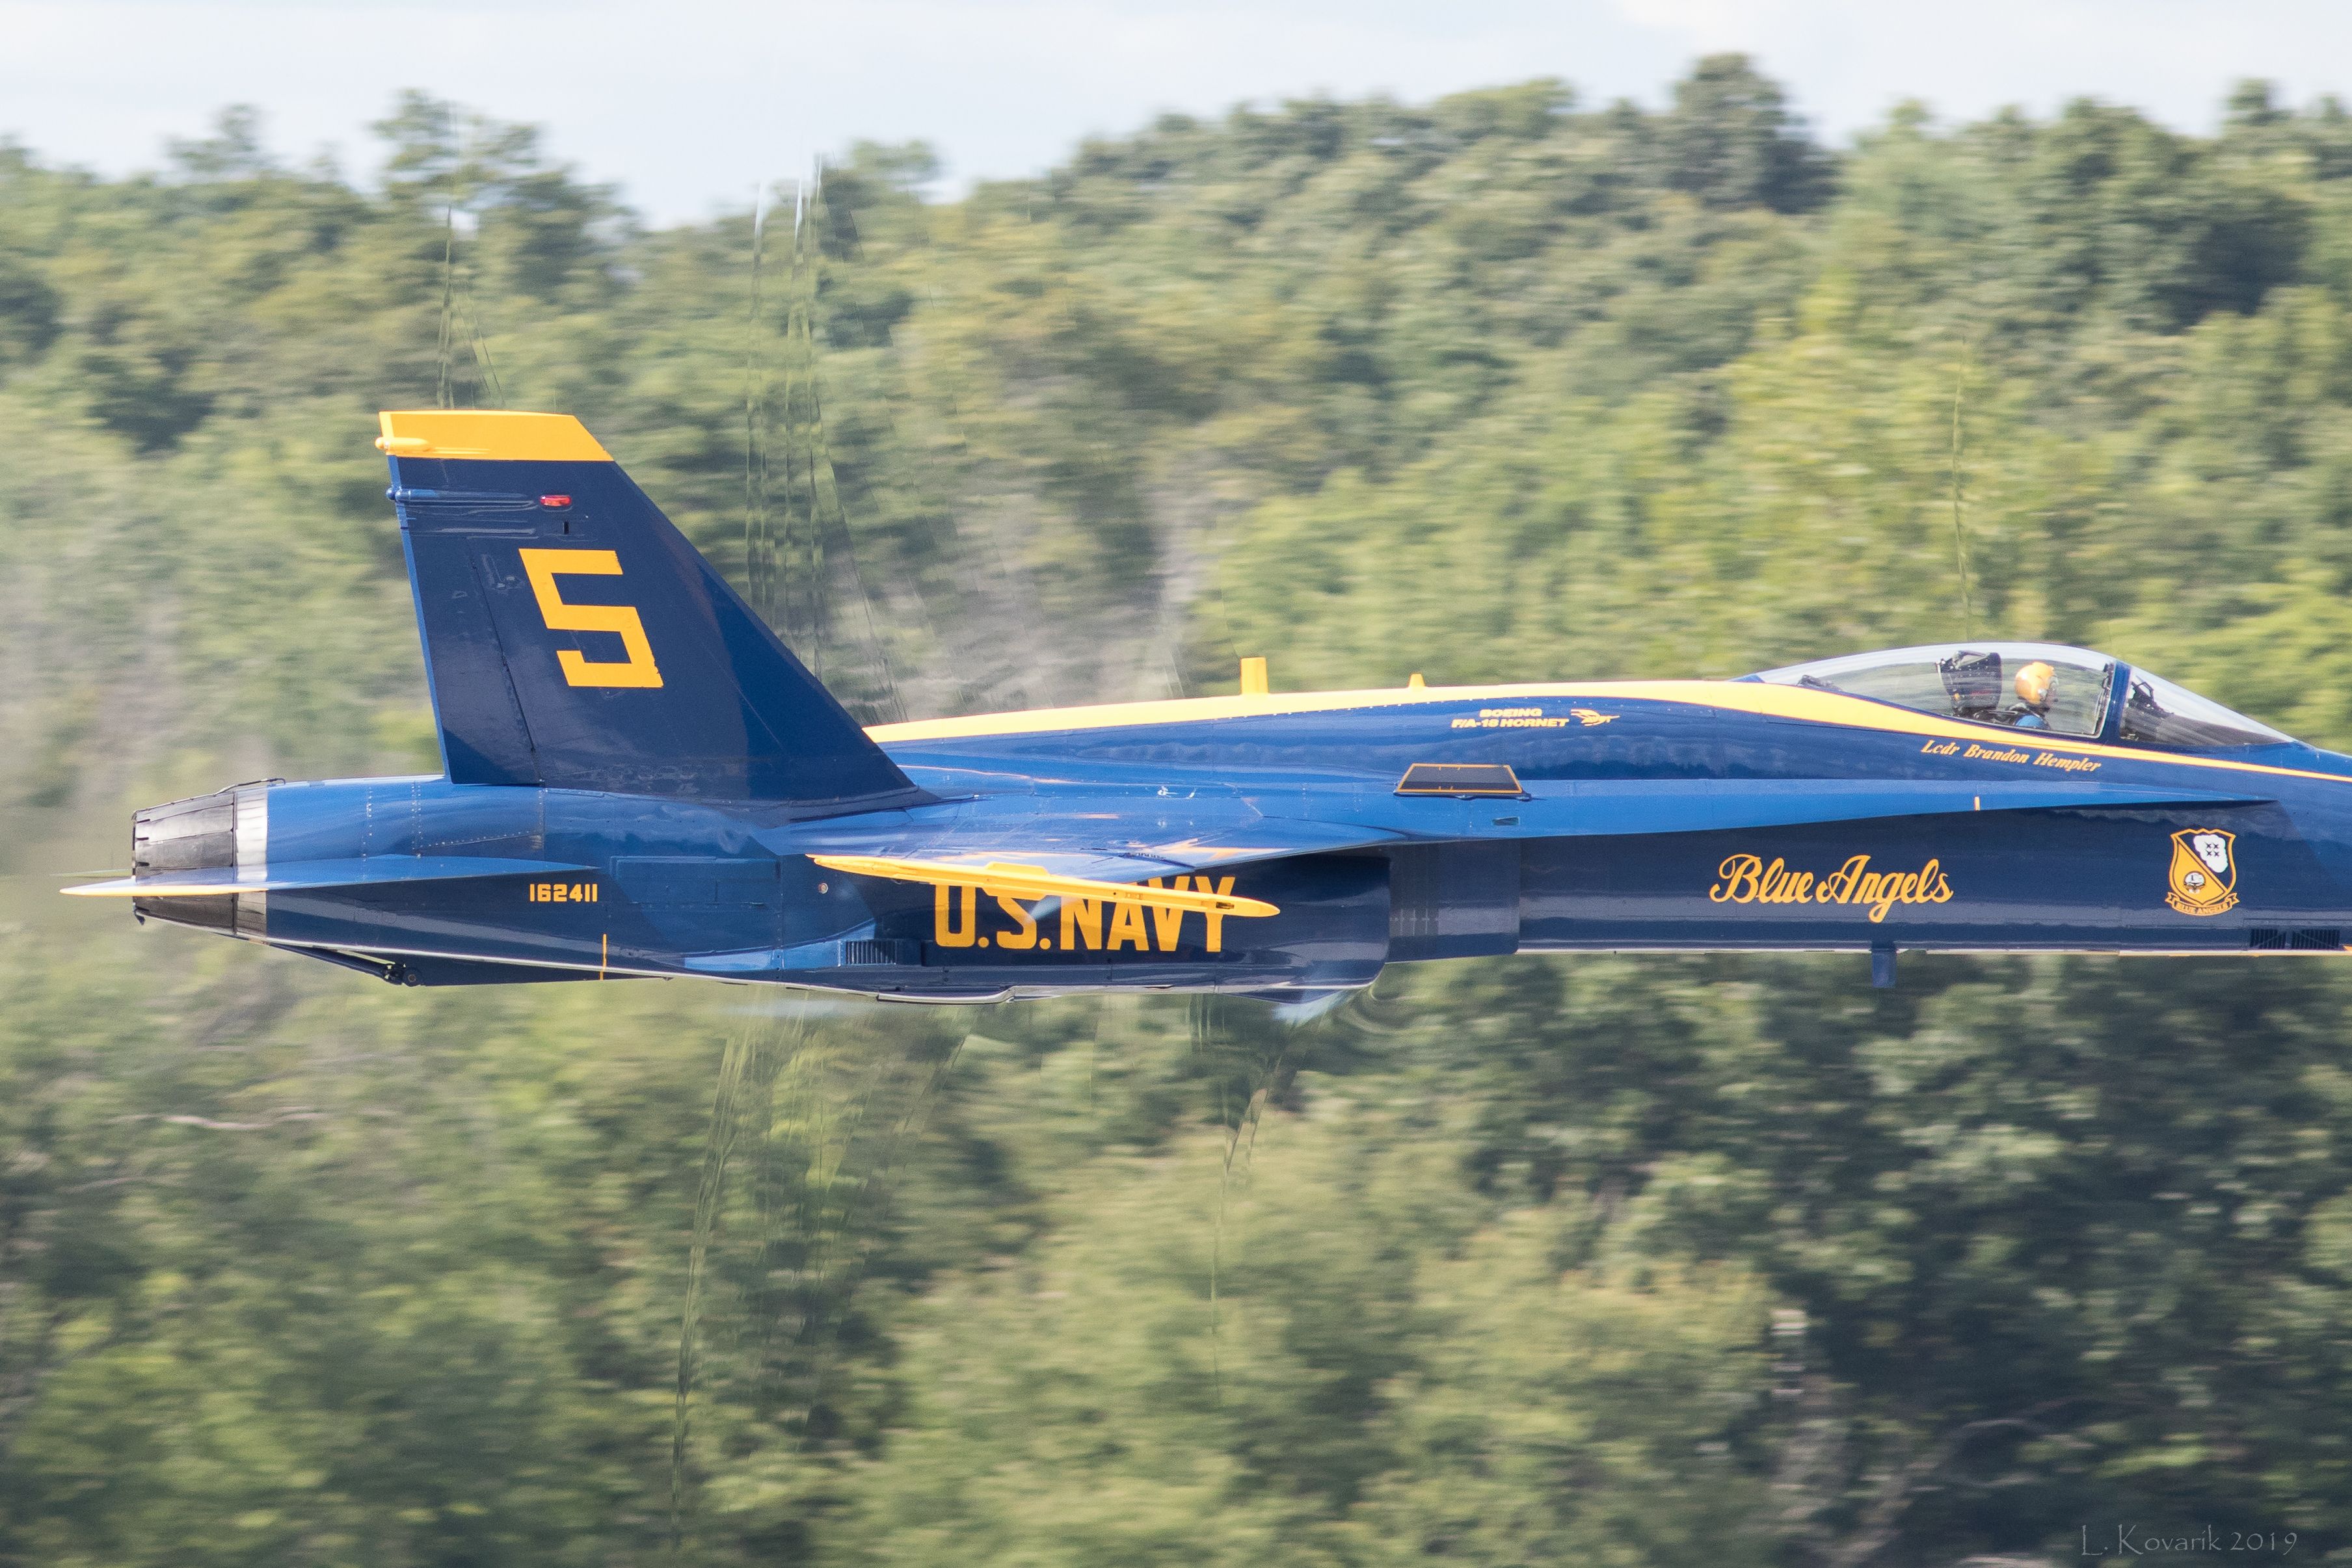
<point x="488" y="434"/>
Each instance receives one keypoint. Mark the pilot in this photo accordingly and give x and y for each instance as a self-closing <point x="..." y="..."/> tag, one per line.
<point x="2035" y="682"/>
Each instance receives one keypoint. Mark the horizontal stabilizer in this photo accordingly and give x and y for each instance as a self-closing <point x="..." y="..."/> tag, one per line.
<point x="314" y="876"/>
<point x="1037" y="882"/>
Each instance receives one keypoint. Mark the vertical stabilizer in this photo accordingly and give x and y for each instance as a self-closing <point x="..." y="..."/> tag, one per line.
<point x="576" y="641"/>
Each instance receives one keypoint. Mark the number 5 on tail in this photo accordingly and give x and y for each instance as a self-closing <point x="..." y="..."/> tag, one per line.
<point x="543" y="567"/>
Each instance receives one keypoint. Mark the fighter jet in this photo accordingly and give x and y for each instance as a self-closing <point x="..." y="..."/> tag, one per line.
<point x="640" y="779"/>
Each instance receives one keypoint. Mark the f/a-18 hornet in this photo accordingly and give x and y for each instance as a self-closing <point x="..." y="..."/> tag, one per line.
<point x="639" y="779"/>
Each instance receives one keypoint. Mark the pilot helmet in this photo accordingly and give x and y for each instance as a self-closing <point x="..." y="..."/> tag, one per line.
<point x="2033" y="683"/>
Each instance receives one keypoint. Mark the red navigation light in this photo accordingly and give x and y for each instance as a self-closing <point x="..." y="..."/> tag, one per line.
<point x="555" y="500"/>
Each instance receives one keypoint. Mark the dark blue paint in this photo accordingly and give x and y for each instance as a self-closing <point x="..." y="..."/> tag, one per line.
<point x="693" y="809"/>
<point x="737" y="716"/>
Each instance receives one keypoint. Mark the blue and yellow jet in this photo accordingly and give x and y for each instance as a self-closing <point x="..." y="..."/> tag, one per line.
<point x="640" y="779"/>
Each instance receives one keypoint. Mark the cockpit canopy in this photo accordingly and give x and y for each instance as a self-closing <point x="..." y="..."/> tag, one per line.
<point x="2035" y="686"/>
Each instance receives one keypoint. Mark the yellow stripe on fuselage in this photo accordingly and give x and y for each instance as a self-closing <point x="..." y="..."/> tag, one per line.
<point x="1016" y="881"/>
<point x="491" y="434"/>
<point x="1803" y="704"/>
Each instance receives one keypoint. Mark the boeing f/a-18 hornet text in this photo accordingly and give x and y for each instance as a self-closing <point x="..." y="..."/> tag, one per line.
<point x="639" y="779"/>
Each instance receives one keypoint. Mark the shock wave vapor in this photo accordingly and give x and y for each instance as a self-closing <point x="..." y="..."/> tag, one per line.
<point x="639" y="779"/>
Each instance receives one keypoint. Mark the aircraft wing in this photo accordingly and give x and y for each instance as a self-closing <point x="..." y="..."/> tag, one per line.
<point x="1113" y="840"/>
<point x="1126" y="841"/>
<point x="1020" y="880"/>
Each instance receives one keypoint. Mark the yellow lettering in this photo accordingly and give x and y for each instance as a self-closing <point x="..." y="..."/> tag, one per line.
<point x="1081" y="917"/>
<point x="1215" y="918"/>
<point x="1883" y="893"/>
<point x="1167" y="922"/>
<point x="543" y="567"/>
<point x="1127" y="926"/>
<point x="1024" y="938"/>
<point x="1739" y="883"/>
<point x="943" y="931"/>
<point x="1749" y="879"/>
<point x="1838" y="886"/>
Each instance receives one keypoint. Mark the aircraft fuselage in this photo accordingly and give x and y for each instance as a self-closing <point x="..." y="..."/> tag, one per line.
<point x="1978" y="839"/>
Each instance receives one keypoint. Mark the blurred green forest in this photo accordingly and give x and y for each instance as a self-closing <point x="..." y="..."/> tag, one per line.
<point x="1602" y="1260"/>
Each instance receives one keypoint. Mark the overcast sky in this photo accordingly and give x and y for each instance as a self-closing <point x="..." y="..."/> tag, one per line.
<point x="687" y="103"/>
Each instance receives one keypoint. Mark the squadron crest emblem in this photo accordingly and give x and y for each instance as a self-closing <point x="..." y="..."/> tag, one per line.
<point x="2204" y="872"/>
